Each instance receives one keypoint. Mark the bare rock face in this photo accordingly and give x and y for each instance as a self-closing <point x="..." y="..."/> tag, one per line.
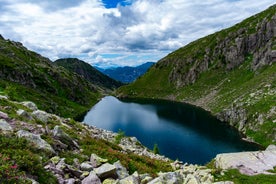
<point x="235" y="116"/>
<point x="30" y="105"/>
<point x="249" y="163"/>
<point x="92" y="178"/>
<point x="229" y="52"/>
<point x="5" y="126"/>
<point x="106" y="171"/>
<point x="37" y="140"/>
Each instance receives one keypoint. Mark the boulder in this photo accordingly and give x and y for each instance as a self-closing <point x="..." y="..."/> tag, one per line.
<point x="3" y="97"/>
<point x="55" y="160"/>
<point x="85" y="166"/>
<point x="169" y="178"/>
<point x="30" y="105"/>
<point x="249" y="163"/>
<point x="5" y="126"/>
<point x="36" y="140"/>
<point x="3" y="115"/>
<point x="129" y="180"/>
<point x="191" y="179"/>
<point x="63" y="137"/>
<point x="91" y="178"/>
<point x="96" y="160"/>
<point x="224" y="182"/>
<point x="41" y="116"/>
<point x="271" y="147"/>
<point x="106" y="171"/>
<point x="110" y="181"/>
<point x="121" y="170"/>
<point x="70" y="181"/>
<point x="23" y="113"/>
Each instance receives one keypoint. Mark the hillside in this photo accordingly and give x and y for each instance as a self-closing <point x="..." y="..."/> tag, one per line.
<point x="88" y="72"/>
<point x="231" y="73"/>
<point x="25" y="75"/>
<point x="127" y="74"/>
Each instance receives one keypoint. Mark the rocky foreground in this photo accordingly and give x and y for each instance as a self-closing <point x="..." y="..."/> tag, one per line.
<point x="47" y="132"/>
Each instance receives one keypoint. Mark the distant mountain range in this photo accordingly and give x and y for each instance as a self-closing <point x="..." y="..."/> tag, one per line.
<point x="126" y="74"/>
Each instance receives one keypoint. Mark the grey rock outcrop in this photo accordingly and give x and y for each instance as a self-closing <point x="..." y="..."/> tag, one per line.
<point x="41" y="116"/>
<point x="169" y="178"/>
<point x="121" y="170"/>
<point x="96" y="161"/>
<point x="86" y="166"/>
<point x="129" y="180"/>
<point x="5" y="126"/>
<point x="37" y="140"/>
<point x="106" y="171"/>
<point x="235" y="116"/>
<point x="30" y="105"/>
<point x="3" y="115"/>
<point x="249" y="163"/>
<point x="92" y="178"/>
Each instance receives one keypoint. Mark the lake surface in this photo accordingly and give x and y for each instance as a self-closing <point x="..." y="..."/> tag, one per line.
<point x="181" y="131"/>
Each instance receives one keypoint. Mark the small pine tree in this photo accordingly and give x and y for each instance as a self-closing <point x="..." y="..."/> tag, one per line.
<point x="155" y="149"/>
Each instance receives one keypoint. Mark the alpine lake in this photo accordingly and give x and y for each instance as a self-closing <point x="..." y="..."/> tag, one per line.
<point x="181" y="131"/>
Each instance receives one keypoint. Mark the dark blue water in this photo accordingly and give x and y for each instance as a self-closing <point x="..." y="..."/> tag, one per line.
<point x="181" y="131"/>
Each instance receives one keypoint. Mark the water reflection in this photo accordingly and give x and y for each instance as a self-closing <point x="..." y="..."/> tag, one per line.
<point x="180" y="130"/>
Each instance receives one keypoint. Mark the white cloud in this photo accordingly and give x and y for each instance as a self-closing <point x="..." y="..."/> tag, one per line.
<point x="143" y="31"/>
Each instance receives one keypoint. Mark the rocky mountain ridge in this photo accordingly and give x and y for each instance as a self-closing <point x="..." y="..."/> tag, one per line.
<point x="88" y="72"/>
<point x="230" y="73"/>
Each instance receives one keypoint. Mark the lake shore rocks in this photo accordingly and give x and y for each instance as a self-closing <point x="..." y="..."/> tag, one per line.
<point x="249" y="163"/>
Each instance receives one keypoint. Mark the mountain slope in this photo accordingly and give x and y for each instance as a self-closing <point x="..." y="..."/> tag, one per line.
<point x="25" y="75"/>
<point x="127" y="74"/>
<point x="231" y="73"/>
<point x="88" y="72"/>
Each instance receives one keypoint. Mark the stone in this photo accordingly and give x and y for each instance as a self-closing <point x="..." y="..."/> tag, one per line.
<point x="96" y="160"/>
<point x="30" y="105"/>
<point x="62" y="136"/>
<point x="271" y="147"/>
<point x="224" y="182"/>
<point x="110" y="181"/>
<point x="23" y="113"/>
<point x="55" y="160"/>
<point x="129" y="180"/>
<point x="168" y="178"/>
<point x="92" y="178"/>
<point x="70" y="181"/>
<point x="146" y="179"/>
<point x="106" y="171"/>
<point x="3" y="115"/>
<point x="85" y="166"/>
<point x="41" y="116"/>
<point x="4" y="97"/>
<point x="249" y="163"/>
<point x="36" y="140"/>
<point x="121" y="170"/>
<point x="84" y="174"/>
<point x="5" y="126"/>
<point x="191" y="179"/>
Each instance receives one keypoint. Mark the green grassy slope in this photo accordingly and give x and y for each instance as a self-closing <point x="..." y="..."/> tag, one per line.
<point x="88" y="72"/>
<point x="231" y="73"/>
<point x="25" y="75"/>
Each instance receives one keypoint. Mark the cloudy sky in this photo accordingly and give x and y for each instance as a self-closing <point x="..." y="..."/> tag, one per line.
<point x="117" y="32"/>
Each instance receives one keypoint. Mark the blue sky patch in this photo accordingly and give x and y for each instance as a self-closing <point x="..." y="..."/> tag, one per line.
<point x="113" y="3"/>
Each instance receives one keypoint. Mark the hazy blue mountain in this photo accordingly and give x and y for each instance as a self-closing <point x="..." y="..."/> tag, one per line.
<point x="127" y="74"/>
